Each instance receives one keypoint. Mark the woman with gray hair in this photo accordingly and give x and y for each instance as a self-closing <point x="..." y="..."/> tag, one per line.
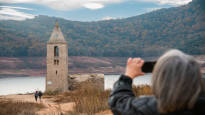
<point x="177" y="86"/>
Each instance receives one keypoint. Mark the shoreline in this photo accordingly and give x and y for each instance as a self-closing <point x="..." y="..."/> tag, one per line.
<point x="36" y="66"/>
<point x="12" y="75"/>
<point x="44" y="75"/>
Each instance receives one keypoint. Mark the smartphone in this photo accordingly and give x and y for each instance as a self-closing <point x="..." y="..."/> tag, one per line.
<point x="148" y="66"/>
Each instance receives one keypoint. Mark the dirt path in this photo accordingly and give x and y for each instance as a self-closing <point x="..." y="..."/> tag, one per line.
<point x="52" y="108"/>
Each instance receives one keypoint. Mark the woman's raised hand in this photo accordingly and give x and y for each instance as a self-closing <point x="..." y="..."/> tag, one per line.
<point x="134" y="67"/>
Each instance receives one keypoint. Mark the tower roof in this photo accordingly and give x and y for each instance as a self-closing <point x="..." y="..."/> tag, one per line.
<point x="57" y="35"/>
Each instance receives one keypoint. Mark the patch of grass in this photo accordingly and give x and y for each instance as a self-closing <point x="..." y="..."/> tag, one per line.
<point x="9" y="107"/>
<point x="90" y="100"/>
<point x="72" y="113"/>
<point x="142" y="90"/>
<point x="51" y="93"/>
<point x="64" y="98"/>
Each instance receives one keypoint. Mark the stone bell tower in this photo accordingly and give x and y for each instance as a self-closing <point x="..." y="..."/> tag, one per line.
<point x="57" y="62"/>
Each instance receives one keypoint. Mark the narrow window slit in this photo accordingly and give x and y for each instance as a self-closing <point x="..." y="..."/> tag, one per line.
<point x="56" y="51"/>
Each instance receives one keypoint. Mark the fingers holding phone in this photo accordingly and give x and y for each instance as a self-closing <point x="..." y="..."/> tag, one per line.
<point x="134" y="67"/>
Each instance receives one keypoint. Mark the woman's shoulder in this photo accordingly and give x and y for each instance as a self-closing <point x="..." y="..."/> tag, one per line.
<point x="146" y="104"/>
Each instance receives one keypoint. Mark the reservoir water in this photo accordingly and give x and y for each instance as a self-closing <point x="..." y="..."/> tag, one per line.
<point x="109" y="80"/>
<point x="22" y="85"/>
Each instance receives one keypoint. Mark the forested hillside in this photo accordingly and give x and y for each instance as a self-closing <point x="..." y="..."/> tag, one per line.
<point x="145" y="35"/>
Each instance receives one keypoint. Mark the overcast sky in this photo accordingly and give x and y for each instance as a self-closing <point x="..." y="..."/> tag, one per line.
<point x="82" y="10"/>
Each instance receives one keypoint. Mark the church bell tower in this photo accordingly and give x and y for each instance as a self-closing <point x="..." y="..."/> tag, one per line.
<point x="57" y="62"/>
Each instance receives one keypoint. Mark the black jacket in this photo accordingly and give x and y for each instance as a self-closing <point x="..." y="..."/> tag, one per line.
<point x="123" y="102"/>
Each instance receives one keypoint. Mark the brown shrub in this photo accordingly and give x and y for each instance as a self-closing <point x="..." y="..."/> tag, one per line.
<point x="64" y="98"/>
<point x="80" y="86"/>
<point x="9" y="107"/>
<point x="51" y="93"/>
<point x="90" y="98"/>
<point x="142" y="90"/>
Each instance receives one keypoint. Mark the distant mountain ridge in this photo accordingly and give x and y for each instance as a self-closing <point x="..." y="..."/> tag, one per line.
<point x="145" y="35"/>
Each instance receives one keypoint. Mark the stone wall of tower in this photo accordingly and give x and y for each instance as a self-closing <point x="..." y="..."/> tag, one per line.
<point x="56" y="79"/>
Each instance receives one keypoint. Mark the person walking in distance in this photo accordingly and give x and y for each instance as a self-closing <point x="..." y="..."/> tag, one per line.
<point x="40" y="94"/>
<point x="36" y="95"/>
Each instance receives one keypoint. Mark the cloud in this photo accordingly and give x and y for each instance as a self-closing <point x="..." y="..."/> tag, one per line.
<point x="67" y="4"/>
<point x="21" y="8"/>
<point x="151" y="9"/>
<point x="109" y="18"/>
<point x="175" y="2"/>
<point x="90" y="4"/>
<point x="93" y="6"/>
<point x="10" y="13"/>
<point x="169" y="2"/>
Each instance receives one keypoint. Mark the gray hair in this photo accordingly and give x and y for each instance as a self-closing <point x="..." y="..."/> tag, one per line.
<point x="176" y="81"/>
